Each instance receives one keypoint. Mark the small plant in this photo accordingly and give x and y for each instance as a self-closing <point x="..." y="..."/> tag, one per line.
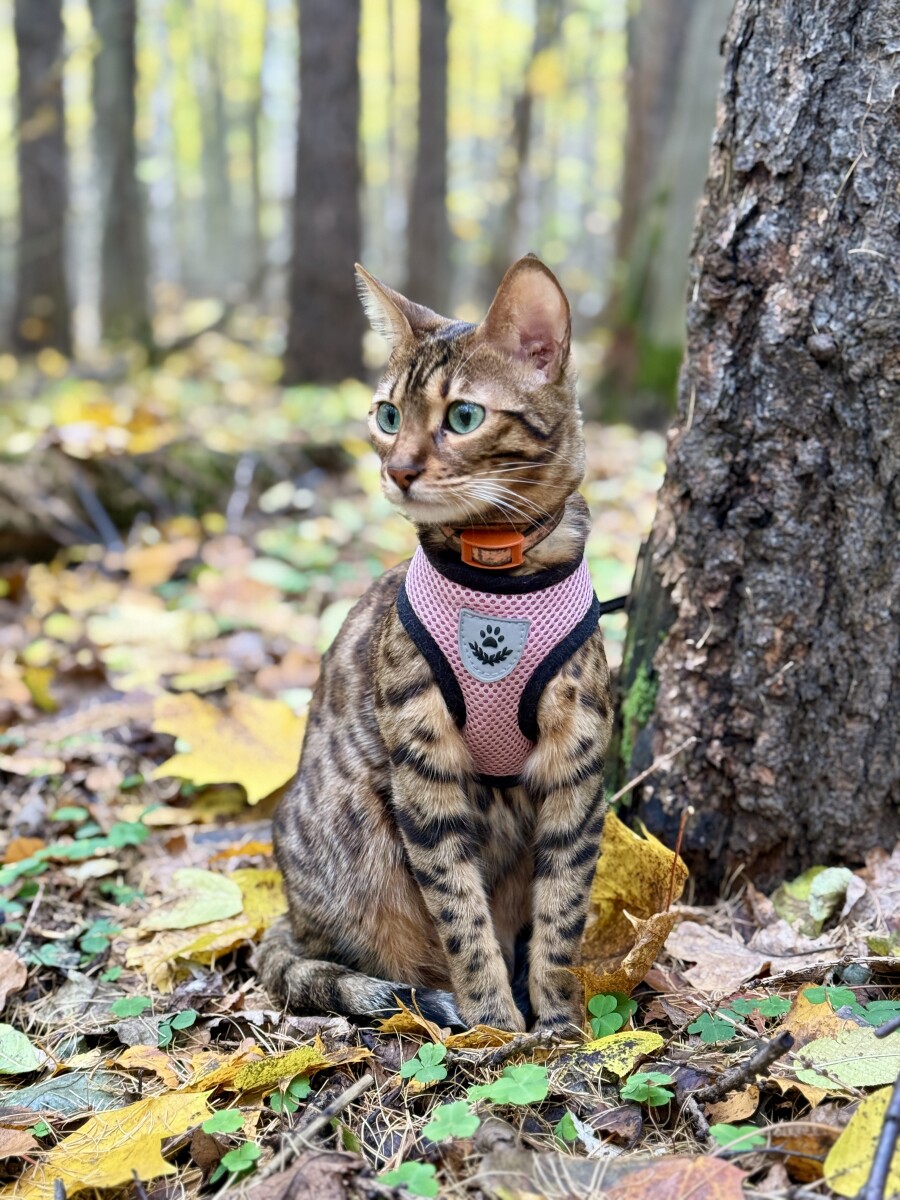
<point x="288" y="1101"/>
<point x="648" y="1087"/>
<point x="610" y="1012"/>
<point x="96" y="937"/>
<point x="565" y="1129"/>
<point x="526" y="1084"/>
<point x="720" y="1026"/>
<point x="426" y="1065"/>
<point x="449" y="1121"/>
<point x="876" y="1012"/>
<point x="239" y="1161"/>
<point x="181" y="1020"/>
<point x="737" y="1137"/>
<point x="130" y="1006"/>
<point x="418" y="1178"/>
<point x="227" y="1120"/>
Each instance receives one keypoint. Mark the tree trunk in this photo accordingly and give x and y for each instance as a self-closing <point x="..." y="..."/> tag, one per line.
<point x="42" y="316"/>
<point x="326" y="319"/>
<point x="124" y="305"/>
<point x="428" y="239"/>
<point x="767" y="609"/>
<point x="674" y="73"/>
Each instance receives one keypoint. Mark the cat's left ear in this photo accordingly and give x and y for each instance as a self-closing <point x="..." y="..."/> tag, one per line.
<point x="392" y="315"/>
<point x="529" y="318"/>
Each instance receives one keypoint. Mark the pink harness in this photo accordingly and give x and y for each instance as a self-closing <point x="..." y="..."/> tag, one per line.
<point x="493" y="652"/>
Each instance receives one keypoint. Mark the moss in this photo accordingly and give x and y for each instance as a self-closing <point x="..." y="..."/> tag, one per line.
<point x="657" y="369"/>
<point x="637" y="709"/>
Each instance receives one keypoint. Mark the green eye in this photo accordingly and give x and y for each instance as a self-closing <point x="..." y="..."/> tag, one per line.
<point x="463" y="416"/>
<point x="388" y="418"/>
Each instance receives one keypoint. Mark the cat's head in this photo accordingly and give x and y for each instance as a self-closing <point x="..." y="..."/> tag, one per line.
<point x="478" y="424"/>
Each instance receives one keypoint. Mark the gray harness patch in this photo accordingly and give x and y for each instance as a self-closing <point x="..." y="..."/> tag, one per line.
<point x="490" y="647"/>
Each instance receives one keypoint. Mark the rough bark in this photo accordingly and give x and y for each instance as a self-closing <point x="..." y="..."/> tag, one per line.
<point x="42" y="316"/>
<point x="773" y="565"/>
<point x="428" y="237"/>
<point x="124" y="302"/>
<point x="326" y="320"/>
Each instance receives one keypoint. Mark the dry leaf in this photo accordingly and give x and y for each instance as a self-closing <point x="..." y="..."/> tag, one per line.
<point x="806" y="1144"/>
<point x="849" y="1161"/>
<point x="736" y="1106"/>
<point x="481" y="1037"/>
<point x="149" y="1058"/>
<point x="619" y="1052"/>
<point x="679" y="1178"/>
<point x="305" y="1060"/>
<point x="200" y="898"/>
<point x="650" y="937"/>
<point x="19" y="848"/>
<point x="13" y="974"/>
<point x="210" y="1068"/>
<point x="807" y="1021"/>
<point x="14" y="1143"/>
<point x="112" y="1146"/>
<point x="812" y="1094"/>
<point x="255" y="744"/>
<point x="723" y="963"/>
<point x="407" y="1021"/>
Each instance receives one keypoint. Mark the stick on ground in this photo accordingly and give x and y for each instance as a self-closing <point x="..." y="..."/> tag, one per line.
<point x="744" y="1073"/>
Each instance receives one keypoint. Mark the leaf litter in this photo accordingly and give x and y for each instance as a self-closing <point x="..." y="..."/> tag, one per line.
<point x="152" y="702"/>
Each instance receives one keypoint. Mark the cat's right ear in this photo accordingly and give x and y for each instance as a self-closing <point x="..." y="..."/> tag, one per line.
<point x="390" y="314"/>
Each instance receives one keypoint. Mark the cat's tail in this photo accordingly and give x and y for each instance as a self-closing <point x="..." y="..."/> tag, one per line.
<point x="307" y="985"/>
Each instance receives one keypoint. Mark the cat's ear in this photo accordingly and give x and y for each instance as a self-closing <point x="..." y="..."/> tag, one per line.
<point x="390" y="314"/>
<point x="529" y="318"/>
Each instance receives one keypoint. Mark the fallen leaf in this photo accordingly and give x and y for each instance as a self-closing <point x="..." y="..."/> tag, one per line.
<point x="256" y="743"/>
<point x="211" y="1069"/>
<point x="723" y="963"/>
<point x="20" y="848"/>
<point x="805" y="1145"/>
<point x="17" y="1055"/>
<point x="305" y="1060"/>
<point x="13" y="974"/>
<point x="633" y="874"/>
<point x="14" y="1143"/>
<point x="149" y="1058"/>
<point x="809" y="1093"/>
<point x="807" y="1021"/>
<point x="849" y="1160"/>
<point x="619" y="1052"/>
<point x="407" y="1021"/>
<point x="735" y="1107"/>
<point x="480" y="1037"/>
<point x="113" y="1148"/>
<point x="854" y="1057"/>
<point x="152" y="565"/>
<point x="322" y="1174"/>
<point x="247" y="850"/>
<point x="650" y="936"/>
<point x="697" y="1178"/>
<point x="69" y="1094"/>
<point x="200" y="897"/>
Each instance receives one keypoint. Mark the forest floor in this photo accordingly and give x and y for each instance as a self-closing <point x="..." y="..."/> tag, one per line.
<point x="153" y="688"/>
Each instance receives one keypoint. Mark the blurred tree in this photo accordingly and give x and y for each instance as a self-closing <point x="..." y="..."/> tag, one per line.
<point x="764" y="616"/>
<point x="674" y="73"/>
<point x="124" y="303"/>
<point x="326" y="320"/>
<point x="42" y="316"/>
<point x="428" y="239"/>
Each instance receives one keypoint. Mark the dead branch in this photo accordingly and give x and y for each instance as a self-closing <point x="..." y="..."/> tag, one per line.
<point x="746" y="1072"/>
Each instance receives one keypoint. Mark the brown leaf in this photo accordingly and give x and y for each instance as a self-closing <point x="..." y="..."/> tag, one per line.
<point x="316" y="1175"/>
<point x="19" y="848"/>
<point x="807" y="1021"/>
<point x="15" y="1143"/>
<point x="723" y="963"/>
<point x="649" y="937"/>
<point x="807" y="1143"/>
<point x="735" y="1107"/>
<point x="678" y="1178"/>
<point x="13" y="974"/>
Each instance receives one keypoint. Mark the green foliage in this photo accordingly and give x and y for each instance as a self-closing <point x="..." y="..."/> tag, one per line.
<point x="40" y="1129"/>
<point x="565" y="1129"/>
<point x="227" y="1120"/>
<point x="425" y="1066"/>
<point x="95" y="939"/>
<point x="876" y="1012"/>
<point x="454" y="1120"/>
<point x="130" y="1006"/>
<point x="637" y="708"/>
<point x="610" y="1012"/>
<point x="719" y="1026"/>
<point x="418" y="1178"/>
<point x="110" y="975"/>
<point x="180" y="1020"/>
<point x="238" y="1161"/>
<point x="737" y="1137"/>
<point x="525" y="1084"/>
<point x="288" y="1101"/>
<point x="71" y="813"/>
<point x="648" y="1087"/>
<point x="120" y="893"/>
<point x="771" y="1006"/>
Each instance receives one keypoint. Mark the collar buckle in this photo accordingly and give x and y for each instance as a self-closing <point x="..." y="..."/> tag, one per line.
<point x="492" y="549"/>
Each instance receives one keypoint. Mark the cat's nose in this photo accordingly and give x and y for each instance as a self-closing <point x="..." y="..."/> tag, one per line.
<point x="403" y="476"/>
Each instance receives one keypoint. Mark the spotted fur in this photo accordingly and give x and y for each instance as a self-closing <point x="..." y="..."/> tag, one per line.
<point x="404" y="873"/>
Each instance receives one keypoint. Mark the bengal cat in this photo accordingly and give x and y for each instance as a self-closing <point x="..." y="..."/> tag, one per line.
<point x="410" y="871"/>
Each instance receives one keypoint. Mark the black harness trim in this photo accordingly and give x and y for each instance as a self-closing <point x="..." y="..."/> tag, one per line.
<point x="432" y="653"/>
<point x="545" y="670"/>
<point x="500" y="583"/>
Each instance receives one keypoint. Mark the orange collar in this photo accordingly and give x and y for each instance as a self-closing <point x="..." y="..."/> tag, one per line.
<point x="494" y="547"/>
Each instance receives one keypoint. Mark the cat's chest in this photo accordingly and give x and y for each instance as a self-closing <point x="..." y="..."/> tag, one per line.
<point x="505" y="820"/>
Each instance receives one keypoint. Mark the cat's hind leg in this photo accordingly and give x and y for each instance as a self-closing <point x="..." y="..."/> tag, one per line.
<point x="310" y="985"/>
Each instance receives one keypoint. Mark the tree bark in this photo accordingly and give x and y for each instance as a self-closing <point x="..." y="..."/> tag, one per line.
<point x="428" y="237"/>
<point x="767" y="601"/>
<point x="42" y="316"/>
<point x="326" y="320"/>
<point x="124" y="303"/>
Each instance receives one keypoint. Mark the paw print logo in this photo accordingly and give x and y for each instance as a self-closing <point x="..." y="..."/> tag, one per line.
<point x="491" y="650"/>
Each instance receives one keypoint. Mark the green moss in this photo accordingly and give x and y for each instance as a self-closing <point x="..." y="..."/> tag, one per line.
<point x="657" y="369"/>
<point x="637" y="709"/>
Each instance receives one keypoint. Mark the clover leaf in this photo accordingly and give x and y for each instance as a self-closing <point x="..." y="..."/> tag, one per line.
<point x="648" y="1087"/>
<point x="525" y="1084"/>
<point x="425" y="1066"/>
<point x="448" y="1121"/>
<point x="418" y="1178"/>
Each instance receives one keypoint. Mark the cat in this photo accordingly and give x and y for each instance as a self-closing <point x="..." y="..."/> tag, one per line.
<point x="413" y="873"/>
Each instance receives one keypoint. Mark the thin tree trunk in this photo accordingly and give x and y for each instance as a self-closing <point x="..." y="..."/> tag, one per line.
<point x="766" y="612"/>
<point x="124" y="303"/>
<point x="326" y="321"/>
<point x="42" y="316"/>
<point x="428" y="242"/>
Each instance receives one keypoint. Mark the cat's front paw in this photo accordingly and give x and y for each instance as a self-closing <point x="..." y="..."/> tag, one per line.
<point x="497" y="1013"/>
<point x="558" y="1004"/>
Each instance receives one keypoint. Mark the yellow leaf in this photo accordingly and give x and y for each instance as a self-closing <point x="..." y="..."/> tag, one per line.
<point x="633" y="875"/>
<point x="263" y="894"/>
<point x="619" y="1052"/>
<point x="650" y="939"/>
<point x="152" y="565"/>
<point x="255" y="744"/>
<point x="38" y="681"/>
<point x="199" y="898"/>
<point x="735" y="1107"/>
<point x="111" y="1146"/>
<point x="850" y="1158"/>
<point x="480" y="1038"/>
<point x="304" y="1060"/>
<point x="407" y="1021"/>
<point x="210" y="1069"/>
<point x="149" y="1058"/>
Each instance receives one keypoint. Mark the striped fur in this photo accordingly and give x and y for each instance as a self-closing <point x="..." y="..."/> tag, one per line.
<point x="403" y="872"/>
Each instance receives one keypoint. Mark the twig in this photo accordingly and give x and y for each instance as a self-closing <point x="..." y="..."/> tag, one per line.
<point x="32" y="913"/>
<point x="890" y="1130"/>
<point x="746" y="1072"/>
<point x="294" y="1142"/>
<point x="694" y="1114"/>
<point x="685" y="813"/>
<point x="654" y="766"/>
<point x="521" y="1044"/>
<point x="139" y="1190"/>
